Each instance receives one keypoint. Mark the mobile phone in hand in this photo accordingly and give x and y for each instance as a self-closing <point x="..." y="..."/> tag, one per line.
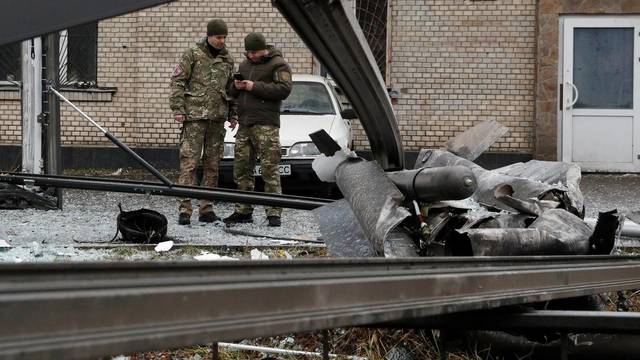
<point x="238" y="76"/>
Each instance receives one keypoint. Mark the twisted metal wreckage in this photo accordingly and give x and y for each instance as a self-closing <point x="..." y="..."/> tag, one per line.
<point x="446" y="205"/>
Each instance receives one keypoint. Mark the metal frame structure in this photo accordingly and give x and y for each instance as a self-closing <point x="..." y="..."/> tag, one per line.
<point x="331" y="31"/>
<point x="74" y="311"/>
<point x="77" y="311"/>
<point x="24" y="19"/>
<point x="142" y="187"/>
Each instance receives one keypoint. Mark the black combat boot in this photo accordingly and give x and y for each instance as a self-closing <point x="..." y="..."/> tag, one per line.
<point x="208" y="217"/>
<point x="184" y="219"/>
<point x="237" y="218"/>
<point x="274" y="221"/>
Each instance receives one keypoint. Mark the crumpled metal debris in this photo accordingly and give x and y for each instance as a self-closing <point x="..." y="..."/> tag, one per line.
<point x="15" y="197"/>
<point x="375" y="203"/>
<point x="532" y="208"/>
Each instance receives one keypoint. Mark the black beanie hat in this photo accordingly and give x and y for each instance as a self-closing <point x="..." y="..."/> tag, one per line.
<point x="216" y="27"/>
<point x="254" y="42"/>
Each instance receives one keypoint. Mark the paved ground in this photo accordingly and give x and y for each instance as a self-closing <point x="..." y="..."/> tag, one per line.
<point x="88" y="216"/>
<point x="604" y="192"/>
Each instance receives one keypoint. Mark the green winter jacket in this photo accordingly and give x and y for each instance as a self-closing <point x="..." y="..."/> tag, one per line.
<point x="272" y="84"/>
<point x="199" y="84"/>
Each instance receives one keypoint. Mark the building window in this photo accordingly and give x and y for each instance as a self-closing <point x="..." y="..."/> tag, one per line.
<point x="10" y="61"/>
<point x="78" y="57"/>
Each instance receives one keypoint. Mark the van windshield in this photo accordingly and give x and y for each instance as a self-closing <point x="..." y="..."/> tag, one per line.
<point x="308" y="98"/>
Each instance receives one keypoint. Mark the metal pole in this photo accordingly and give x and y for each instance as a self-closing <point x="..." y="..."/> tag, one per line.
<point x="31" y="105"/>
<point x="114" y="140"/>
<point x="215" y="352"/>
<point x="53" y="162"/>
<point x="325" y="345"/>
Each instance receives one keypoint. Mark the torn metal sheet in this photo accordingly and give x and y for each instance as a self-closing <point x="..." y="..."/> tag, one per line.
<point x="513" y="242"/>
<point x="555" y="232"/>
<point x="474" y="141"/>
<point x="634" y="216"/>
<point x="399" y="244"/>
<point x="504" y="194"/>
<point x="488" y="181"/>
<point x="551" y="172"/>
<point x="484" y="219"/>
<point x="374" y="199"/>
<point x="571" y="232"/>
<point x="341" y="231"/>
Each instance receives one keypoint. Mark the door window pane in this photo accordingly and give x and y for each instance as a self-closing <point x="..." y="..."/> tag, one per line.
<point x="603" y="67"/>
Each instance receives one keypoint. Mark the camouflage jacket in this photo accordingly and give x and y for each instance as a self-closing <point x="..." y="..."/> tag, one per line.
<point x="271" y="84"/>
<point x="199" y="84"/>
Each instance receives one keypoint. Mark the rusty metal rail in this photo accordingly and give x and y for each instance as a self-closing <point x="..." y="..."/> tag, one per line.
<point x="74" y="311"/>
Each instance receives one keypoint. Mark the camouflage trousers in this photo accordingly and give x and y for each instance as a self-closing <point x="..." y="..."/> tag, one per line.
<point x="263" y="142"/>
<point x="200" y="138"/>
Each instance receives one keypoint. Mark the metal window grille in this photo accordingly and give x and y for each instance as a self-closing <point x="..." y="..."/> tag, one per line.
<point x="372" y="17"/>
<point x="79" y="55"/>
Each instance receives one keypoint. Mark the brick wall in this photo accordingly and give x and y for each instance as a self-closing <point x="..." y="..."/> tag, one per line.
<point x="454" y="63"/>
<point x="136" y="54"/>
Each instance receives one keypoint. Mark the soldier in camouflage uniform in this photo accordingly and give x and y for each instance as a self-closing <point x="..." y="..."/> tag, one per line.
<point x="200" y="103"/>
<point x="267" y="81"/>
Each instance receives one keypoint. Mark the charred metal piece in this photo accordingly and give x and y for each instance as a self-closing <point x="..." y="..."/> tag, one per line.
<point x="435" y="184"/>
<point x="331" y="30"/>
<point x="324" y="142"/>
<point x="606" y="231"/>
<point x="375" y="201"/>
<point x="524" y="188"/>
<point x="554" y="232"/>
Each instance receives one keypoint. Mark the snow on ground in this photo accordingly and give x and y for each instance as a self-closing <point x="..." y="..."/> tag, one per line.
<point x="90" y="217"/>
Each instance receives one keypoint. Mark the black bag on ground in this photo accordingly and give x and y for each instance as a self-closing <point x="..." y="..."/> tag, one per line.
<point x="142" y="226"/>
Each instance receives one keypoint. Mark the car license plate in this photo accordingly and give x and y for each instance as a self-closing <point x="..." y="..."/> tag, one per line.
<point x="284" y="170"/>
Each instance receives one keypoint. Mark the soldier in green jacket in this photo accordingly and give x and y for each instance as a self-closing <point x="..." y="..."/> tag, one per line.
<point x="200" y="103"/>
<point x="266" y="82"/>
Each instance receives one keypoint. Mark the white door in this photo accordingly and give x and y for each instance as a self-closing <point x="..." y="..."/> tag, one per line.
<point x="600" y="79"/>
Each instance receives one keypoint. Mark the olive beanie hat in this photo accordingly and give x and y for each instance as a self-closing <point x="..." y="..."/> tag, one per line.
<point x="254" y="42"/>
<point x="217" y="27"/>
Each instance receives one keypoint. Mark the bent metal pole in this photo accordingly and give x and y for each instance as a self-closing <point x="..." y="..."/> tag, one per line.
<point x="115" y="140"/>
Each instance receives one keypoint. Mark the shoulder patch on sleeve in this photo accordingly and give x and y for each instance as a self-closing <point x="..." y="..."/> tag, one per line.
<point x="284" y="76"/>
<point x="177" y="70"/>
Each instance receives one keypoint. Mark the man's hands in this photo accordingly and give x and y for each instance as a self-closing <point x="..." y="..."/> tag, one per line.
<point x="243" y="84"/>
<point x="179" y="118"/>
